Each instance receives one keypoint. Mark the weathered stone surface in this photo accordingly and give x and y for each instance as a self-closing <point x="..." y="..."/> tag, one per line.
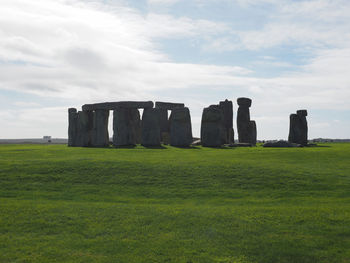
<point x="85" y="127"/>
<point x="180" y="127"/>
<point x="227" y="108"/>
<point x="119" y="104"/>
<point x="302" y="113"/>
<point x="244" y="102"/>
<point x="168" y="105"/>
<point x="126" y="127"/>
<point x="298" y="128"/>
<point x="163" y="120"/>
<point x="246" y="128"/>
<point x="253" y="132"/>
<point x="72" y="126"/>
<point x="100" y="136"/>
<point x="281" y="144"/>
<point x="212" y="127"/>
<point x="150" y="128"/>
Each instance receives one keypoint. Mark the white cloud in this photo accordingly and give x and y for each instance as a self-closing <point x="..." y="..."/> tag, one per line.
<point x="88" y="52"/>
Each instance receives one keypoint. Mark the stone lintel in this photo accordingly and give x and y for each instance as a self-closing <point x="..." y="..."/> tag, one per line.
<point x="168" y="105"/>
<point x="119" y="104"/>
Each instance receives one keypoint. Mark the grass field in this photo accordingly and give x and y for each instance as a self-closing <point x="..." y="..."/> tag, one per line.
<point x="60" y="204"/>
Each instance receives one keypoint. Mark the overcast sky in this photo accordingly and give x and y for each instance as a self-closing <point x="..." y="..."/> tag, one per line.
<point x="285" y="55"/>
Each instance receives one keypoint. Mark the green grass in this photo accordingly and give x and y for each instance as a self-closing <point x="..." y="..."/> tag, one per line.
<point x="60" y="204"/>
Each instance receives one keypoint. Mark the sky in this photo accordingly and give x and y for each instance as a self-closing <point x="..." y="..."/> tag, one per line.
<point x="284" y="55"/>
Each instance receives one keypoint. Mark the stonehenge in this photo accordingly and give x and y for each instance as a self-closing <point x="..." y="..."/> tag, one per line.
<point x="246" y="128"/>
<point x="298" y="128"/>
<point x="89" y="127"/>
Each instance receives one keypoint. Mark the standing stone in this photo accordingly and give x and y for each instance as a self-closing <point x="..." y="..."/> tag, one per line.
<point x="212" y="127"/>
<point x="164" y="125"/>
<point x="180" y="127"/>
<point x="100" y="128"/>
<point x="72" y="126"/>
<point x="85" y="126"/>
<point x="253" y="132"/>
<point x="246" y="128"/>
<point x="298" y="128"/>
<point x="126" y="127"/>
<point x="227" y="108"/>
<point x="150" y="128"/>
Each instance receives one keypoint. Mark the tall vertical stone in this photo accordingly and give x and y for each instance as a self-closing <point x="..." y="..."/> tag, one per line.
<point x="246" y="128"/>
<point x="298" y="129"/>
<point x="72" y="126"/>
<point x="126" y="126"/>
<point x="253" y="132"/>
<point x="150" y="128"/>
<point x="164" y="125"/>
<point x="227" y="108"/>
<point x="100" y="128"/>
<point x="85" y="126"/>
<point x="180" y="127"/>
<point x="212" y="127"/>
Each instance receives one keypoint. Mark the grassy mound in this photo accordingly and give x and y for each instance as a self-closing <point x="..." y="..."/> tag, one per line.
<point x="60" y="204"/>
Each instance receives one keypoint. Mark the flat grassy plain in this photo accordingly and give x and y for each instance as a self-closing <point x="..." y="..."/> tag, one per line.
<point x="60" y="204"/>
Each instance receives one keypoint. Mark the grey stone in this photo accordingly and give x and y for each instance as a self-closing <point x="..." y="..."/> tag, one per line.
<point x="298" y="128"/>
<point x="119" y="104"/>
<point x="150" y="128"/>
<point x="281" y="144"/>
<point x="85" y="127"/>
<point x="180" y="127"/>
<point x="126" y="127"/>
<point x="253" y="132"/>
<point x="212" y="127"/>
<point x="168" y="105"/>
<point x="100" y="136"/>
<point x="163" y="119"/>
<point x="244" y="102"/>
<point x="246" y="128"/>
<point x="227" y="108"/>
<point x="72" y="126"/>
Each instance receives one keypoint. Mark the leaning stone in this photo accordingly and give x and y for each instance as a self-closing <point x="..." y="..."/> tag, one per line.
<point x="72" y="127"/>
<point x="212" y="127"/>
<point x="180" y="127"/>
<point x="126" y="126"/>
<point x="168" y="105"/>
<point x="120" y="104"/>
<point x="252" y="132"/>
<point x="150" y="128"/>
<point x="100" y="128"/>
